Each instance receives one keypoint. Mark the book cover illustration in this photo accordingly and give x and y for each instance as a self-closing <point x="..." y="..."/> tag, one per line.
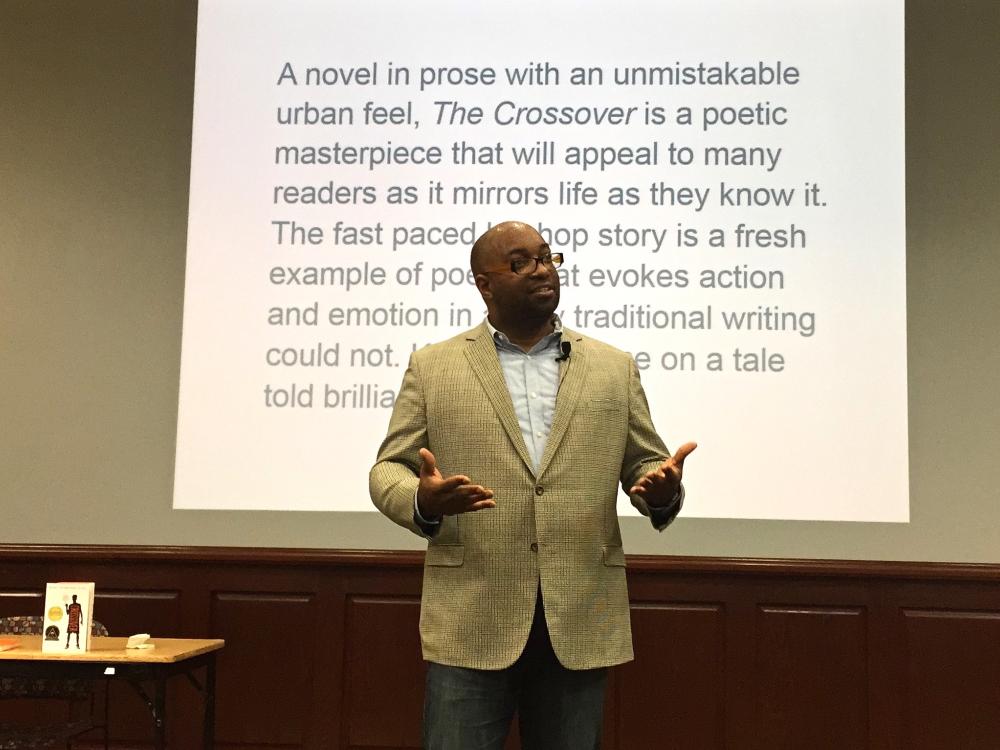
<point x="69" y="608"/>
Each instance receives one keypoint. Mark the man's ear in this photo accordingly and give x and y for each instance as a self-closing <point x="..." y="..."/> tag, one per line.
<point x="483" y="285"/>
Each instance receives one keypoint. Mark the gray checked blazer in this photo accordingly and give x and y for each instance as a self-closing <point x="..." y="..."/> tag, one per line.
<point x="558" y="527"/>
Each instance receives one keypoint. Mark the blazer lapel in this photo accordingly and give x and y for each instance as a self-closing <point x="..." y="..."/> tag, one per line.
<point x="482" y="356"/>
<point x="572" y="377"/>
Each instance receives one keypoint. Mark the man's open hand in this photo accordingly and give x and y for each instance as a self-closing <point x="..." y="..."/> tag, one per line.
<point x="659" y="486"/>
<point x="437" y="496"/>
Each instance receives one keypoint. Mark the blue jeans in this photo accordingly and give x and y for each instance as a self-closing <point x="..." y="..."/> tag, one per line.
<point x="557" y="708"/>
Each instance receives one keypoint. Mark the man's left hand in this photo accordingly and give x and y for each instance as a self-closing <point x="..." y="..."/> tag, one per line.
<point x="659" y="486"/>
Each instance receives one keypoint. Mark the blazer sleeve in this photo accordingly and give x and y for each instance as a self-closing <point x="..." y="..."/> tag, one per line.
<point x="644" y="451"/>
<point x="393" y="480"/>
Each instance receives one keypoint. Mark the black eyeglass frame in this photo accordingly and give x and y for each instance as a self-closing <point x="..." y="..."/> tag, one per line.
<point x="527" y="266"/>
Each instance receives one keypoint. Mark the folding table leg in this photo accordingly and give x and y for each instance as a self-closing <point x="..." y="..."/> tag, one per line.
<point x="209" y="715"/>
<point x="160" y="714"/>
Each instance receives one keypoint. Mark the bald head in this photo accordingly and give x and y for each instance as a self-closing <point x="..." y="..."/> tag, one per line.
<point x="485" y="248"/>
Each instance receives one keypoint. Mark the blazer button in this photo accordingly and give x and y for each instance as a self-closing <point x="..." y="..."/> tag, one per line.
<point x="534" y="546"/>
<point x="539" y="490"/>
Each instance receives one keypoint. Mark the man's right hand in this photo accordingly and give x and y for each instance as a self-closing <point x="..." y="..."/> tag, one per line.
<point x="437" y="496"/>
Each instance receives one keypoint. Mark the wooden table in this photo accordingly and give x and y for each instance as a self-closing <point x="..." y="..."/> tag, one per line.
<point x="108" y="657"/>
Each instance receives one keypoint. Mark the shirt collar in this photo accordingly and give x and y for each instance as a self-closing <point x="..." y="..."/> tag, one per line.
<point x="500" y="338"/>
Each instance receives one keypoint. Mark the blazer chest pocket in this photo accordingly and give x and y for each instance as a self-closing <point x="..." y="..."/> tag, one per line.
<point x="613" y="556"/>
<point x="606" y="404"/>
<point x="603" y="412"/>
<point x="448" y="555"/>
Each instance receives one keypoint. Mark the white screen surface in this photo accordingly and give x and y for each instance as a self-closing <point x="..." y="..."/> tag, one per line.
<point x="656" y="261"/>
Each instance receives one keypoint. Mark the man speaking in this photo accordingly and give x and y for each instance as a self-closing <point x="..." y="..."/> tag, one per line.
<point x="505" y="449"/>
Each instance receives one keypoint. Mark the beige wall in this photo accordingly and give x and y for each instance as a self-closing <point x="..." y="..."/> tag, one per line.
<point x="94" y="157"/>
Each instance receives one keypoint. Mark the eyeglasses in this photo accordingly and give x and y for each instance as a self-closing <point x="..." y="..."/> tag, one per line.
<point x="526" y="266"/>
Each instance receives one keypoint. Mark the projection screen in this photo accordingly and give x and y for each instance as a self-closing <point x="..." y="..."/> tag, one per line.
<point x="725" y="179"/>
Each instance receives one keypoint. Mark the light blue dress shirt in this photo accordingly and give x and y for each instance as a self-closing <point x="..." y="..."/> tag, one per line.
<point x="533" y="380"/>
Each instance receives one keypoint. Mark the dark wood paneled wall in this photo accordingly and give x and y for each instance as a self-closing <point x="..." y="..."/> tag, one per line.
<point x="323" y="653"/>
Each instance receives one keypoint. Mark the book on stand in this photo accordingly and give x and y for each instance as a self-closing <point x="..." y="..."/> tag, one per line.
<point x="69" y="608"/>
